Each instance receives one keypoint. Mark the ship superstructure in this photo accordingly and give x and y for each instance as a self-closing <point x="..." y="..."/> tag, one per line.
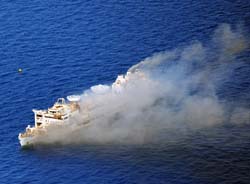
<point x="59" y="114"/>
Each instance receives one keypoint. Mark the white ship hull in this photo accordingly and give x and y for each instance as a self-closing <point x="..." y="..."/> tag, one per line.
<point x="26" y="141"/>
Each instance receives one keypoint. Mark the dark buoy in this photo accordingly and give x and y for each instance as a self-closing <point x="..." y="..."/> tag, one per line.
<point x="20" y="70"/>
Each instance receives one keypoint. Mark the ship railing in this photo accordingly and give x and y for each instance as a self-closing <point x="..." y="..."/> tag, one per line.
<point x="25" y="134"/>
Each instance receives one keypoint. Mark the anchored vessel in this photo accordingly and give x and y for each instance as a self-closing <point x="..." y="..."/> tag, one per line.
<point x="58" y="115"/>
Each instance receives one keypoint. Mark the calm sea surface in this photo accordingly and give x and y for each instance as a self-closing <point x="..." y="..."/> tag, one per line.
<point x="64" y="47"/>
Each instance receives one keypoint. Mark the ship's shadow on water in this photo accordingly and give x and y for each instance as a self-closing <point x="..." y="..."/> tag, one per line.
<point x="210" y="155"/>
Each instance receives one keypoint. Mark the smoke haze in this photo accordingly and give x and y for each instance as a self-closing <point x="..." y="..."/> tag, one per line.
<point x="174" y="90"/>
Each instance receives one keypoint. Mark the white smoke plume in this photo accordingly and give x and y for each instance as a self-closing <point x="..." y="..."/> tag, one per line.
<point x="172" y="90"/>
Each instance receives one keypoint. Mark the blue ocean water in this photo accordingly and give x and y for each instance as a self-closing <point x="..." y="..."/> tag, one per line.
<point x="64" y="47"/>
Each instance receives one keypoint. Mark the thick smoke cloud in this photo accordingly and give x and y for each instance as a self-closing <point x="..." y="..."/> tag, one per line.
<point x="173" y="90"/>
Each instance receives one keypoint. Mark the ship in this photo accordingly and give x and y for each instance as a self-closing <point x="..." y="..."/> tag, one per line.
<point x="62" y="113"/>
<point x="59" y="115"/>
